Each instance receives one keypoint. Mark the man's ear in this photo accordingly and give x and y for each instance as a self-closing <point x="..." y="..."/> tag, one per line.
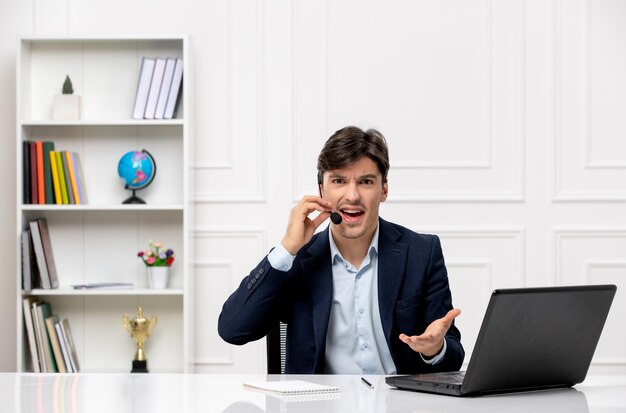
<point x="383" y="197"/>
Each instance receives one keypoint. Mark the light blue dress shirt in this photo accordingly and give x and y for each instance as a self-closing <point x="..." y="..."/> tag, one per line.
<point x="355" y="340"/>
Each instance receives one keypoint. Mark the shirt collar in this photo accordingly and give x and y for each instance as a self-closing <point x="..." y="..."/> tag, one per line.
<point x="335" y="253"/>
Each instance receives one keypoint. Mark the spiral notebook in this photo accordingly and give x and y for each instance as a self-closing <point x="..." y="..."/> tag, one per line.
<point x="295" y="389"/>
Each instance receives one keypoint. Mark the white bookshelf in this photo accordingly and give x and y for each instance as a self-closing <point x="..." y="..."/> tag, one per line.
<point x="99" y="241"/>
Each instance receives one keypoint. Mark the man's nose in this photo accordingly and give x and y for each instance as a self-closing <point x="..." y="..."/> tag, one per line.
<point x="352" y="192"/>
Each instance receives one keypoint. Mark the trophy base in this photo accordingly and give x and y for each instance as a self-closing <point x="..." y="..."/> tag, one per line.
<point x="140" y="366"/>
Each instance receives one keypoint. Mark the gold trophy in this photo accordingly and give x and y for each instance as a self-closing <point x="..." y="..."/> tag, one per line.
<point x="139" y="328"/>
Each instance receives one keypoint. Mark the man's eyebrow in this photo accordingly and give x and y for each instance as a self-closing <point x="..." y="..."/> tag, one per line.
<point x="335" y="175"/>
<point x="366" y="176"/>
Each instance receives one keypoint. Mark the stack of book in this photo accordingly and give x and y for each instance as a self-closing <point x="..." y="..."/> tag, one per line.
<point x="50" y="339"/>
<point x="38" y="267"/>
<point x="52" y="177"/>
<point x="158" y="88"/>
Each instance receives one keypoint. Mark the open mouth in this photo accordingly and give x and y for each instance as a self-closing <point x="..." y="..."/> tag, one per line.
<point x="352" y="213"/>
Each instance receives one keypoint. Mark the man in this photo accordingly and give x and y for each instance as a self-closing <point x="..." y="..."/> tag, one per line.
<point x="364" y="296"/>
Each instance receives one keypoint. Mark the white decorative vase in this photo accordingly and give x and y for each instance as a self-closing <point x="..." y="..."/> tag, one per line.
<point x="158" y="277"/>
<point x="66" y="107"/>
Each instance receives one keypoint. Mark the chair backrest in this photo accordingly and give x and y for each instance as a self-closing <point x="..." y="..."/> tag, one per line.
<point x="276" y="349"/>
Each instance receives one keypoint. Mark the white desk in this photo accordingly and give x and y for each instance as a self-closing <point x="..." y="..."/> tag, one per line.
<point x="121" y="393"/>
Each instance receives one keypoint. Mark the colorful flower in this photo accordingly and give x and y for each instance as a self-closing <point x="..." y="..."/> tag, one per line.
<point x="156" y="255"/>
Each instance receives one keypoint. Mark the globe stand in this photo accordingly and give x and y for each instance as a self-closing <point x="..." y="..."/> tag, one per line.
<point x="134" y="199"/>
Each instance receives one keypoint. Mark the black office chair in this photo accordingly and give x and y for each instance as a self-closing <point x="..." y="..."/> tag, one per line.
<point x="276" y="349"/>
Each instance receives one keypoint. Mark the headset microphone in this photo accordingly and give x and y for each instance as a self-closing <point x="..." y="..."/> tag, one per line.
<point x="336" y="218"/>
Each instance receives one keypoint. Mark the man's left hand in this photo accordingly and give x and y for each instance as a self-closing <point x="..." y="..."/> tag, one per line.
<point x="430" y="342"/>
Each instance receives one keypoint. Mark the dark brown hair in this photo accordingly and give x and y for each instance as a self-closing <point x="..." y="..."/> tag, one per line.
<point x="349" y="145"/>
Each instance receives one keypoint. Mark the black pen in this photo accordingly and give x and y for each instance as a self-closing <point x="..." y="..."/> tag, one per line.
<point x="367" y="382"/>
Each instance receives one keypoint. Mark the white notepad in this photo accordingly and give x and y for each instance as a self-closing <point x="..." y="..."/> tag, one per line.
<point x="290" y="388"/>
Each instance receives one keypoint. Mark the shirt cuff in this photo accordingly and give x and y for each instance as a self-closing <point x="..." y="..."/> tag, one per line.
<point x="280" y="259"/>
<point x="438" y="357"/>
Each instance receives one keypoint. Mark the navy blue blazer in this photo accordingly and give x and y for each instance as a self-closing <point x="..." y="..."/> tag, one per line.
<point x="413" y="291"/>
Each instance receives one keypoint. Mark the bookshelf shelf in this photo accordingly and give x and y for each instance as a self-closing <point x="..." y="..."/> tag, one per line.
<point x="105" y="122"/>
<point x="98" y="241"/>
<point x="70" y="292"/>
<point x="104" y="208"/>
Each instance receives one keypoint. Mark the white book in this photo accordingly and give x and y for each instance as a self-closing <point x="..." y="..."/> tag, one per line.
<point x="44" y="233"/>
<point x="27" y="276"/>
<point x="42" y="360"/>
<point x="172" y="97"/>
<point x="69" y="342"/>
<point x="78" y="175"/>
<point x="165" y="88"/>
<point x="39" y="254"/>
<point x="64" y="348"/>
<point x="104" y="286"/>
<point x="155" y="88"/>
<point x="143" y="87"/>
<point x="30" y="332"/>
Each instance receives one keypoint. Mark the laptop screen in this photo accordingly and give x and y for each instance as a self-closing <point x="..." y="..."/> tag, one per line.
<point x="538" y="337"/>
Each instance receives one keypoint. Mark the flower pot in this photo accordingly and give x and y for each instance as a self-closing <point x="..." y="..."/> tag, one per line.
<point x="158" y="277"/>
<point x="66" y="107"/>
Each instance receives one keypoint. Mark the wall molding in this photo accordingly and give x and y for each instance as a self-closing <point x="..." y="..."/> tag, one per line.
<point x="516" y="234"/>
<point x="515" y="191"/>
<point x="259" y="237"/>
<point x="588" y="165"/>
<point x="259" y="194"/>
<point x="559" y="234"/>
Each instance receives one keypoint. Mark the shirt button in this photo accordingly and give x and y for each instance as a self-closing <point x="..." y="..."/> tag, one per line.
<point x="360" y="311"/>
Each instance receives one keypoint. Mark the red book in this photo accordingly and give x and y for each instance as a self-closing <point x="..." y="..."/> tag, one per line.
<point x="41" y="191"/>
<point x="34" y="190"/>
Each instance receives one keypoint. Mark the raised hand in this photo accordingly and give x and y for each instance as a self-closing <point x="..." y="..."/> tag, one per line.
<point x="301" y="228"/>
<point x="430" y="342"/>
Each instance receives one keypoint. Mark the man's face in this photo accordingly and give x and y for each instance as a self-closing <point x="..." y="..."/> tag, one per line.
<point x="356" y="193"/>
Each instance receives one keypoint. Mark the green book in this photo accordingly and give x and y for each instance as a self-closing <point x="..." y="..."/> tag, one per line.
<point x="43" y="312"/>
<point x="47" y="172"/>
<point x="61" y="178"/>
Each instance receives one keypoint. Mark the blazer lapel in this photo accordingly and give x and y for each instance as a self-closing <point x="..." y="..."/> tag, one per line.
<point x="318" y="270"/>
<point x="392" y="255"/>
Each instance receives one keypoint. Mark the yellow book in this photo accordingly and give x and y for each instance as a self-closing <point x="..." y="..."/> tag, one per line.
<point x="54" y="341"/>
<point x="62" y="179"/>
<point x="70" y="168"/>
<point x="55" y="178"/>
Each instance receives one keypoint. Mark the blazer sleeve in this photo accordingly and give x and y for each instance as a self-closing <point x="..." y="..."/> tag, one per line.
<point x="253" y="308"/>
<point x="426" y="274"/>
<point x="438" y="303"/>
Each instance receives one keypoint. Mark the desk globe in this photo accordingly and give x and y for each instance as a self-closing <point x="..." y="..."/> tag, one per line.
<point x="137" y="169"/>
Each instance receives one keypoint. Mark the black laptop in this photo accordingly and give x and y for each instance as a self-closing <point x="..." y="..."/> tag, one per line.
<point x="530" y="339"/>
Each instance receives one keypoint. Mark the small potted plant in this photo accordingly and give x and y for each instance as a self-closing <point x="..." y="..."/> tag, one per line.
<point x="158" y="260"/>
<point x="66" y="105"/>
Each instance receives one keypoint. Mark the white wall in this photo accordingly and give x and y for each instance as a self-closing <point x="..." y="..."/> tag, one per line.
<point x="15" y="18"/>
<point x="504" y="120"/>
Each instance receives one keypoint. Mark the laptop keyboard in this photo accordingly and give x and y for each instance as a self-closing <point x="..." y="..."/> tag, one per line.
<point x="453" y="377"/>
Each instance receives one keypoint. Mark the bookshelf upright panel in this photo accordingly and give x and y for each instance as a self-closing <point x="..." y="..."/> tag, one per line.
<point x="98" y="241"/>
